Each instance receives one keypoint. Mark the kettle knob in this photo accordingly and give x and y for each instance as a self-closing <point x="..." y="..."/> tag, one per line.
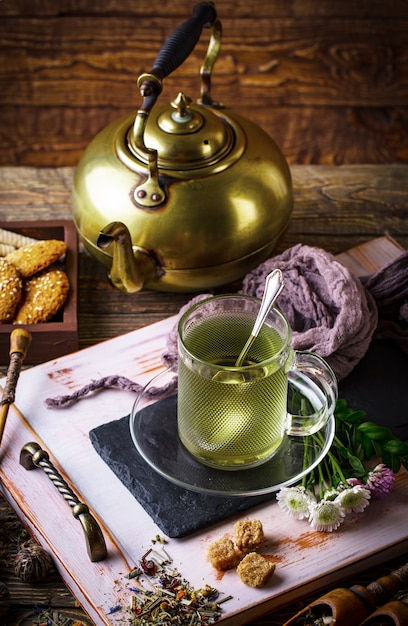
<point x="180" y="104"/>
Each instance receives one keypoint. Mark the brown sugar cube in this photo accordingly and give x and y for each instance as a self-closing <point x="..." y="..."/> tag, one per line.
<point x="255" y="570"/>
<point x="221" y="554"/>
<point x="248" y="535"/>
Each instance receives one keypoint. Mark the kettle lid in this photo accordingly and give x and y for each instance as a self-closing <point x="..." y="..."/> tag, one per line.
<point x="186" y="136"/>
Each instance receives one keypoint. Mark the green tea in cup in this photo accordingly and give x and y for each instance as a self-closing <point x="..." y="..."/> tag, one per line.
<point x="237" y="417"/>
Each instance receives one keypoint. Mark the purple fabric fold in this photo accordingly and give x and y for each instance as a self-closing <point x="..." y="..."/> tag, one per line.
<point x="389" y="288"/>
<point x="330" y="311"/>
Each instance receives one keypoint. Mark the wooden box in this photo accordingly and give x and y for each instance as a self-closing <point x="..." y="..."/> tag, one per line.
<point x="59" y="336"/>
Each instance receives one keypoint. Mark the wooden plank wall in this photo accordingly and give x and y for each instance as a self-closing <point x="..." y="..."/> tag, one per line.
<point x="327" y="79"/>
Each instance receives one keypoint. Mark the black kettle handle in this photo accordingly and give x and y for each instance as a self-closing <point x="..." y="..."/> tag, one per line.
<point x="181" y="43"/>
<point x="175" y="50"/>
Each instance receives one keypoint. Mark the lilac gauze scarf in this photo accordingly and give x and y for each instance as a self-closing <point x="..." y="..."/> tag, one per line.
<point x="328" y="309"/>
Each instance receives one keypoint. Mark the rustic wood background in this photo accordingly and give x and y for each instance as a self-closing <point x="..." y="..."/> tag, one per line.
<point x="327" y="79"/>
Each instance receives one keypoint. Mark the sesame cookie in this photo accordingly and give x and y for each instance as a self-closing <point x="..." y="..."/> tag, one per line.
<point x="255" y="570"/>
<point x="33" y="258"/>
<point x="11" y="289"/>
<point x="43" y="296"/>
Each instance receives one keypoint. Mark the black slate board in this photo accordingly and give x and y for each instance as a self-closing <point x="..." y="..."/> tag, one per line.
<point x="377" y="385"/>
<point x="176" y="511"/>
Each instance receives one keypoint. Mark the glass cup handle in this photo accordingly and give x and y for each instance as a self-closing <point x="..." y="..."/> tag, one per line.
<point x="312" y="394"/>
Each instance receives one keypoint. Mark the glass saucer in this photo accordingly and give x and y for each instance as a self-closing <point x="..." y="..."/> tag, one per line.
<point x="153" y="427"/>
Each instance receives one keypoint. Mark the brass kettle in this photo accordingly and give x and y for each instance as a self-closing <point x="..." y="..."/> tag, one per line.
<point x="181" y="197"/>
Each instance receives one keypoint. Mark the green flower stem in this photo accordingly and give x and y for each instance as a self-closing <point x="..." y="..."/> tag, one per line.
<point x="322" y="482"/>
<point x="335" y="467"/>
<point x="307" y="478"/>
<point x="338" y="441"/>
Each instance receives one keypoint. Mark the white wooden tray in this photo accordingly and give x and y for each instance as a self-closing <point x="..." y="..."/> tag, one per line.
<point x="306" y="560"/>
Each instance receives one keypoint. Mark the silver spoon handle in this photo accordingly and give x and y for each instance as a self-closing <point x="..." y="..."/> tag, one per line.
<point x="273" y="287"/>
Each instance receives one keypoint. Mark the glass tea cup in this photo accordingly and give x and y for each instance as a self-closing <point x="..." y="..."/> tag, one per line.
<point x="232" y="417"/>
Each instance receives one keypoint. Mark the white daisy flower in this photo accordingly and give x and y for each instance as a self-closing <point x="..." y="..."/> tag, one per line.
<point x="326" y="515"/>
<point x="295" y="501"/>
<point x="355" y="499"/>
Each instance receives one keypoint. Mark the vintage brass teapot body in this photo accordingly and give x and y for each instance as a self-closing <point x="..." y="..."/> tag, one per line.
<point x="183" y="197"/>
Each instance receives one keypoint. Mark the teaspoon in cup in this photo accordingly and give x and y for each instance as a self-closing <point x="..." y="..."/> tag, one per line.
<point x="274" y="284"/>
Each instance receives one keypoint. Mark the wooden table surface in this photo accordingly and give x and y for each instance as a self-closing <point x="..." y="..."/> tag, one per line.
<point x="336" y="208"/>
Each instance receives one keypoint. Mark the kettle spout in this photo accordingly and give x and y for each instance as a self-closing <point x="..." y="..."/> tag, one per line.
<point x="129" y="270"/>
